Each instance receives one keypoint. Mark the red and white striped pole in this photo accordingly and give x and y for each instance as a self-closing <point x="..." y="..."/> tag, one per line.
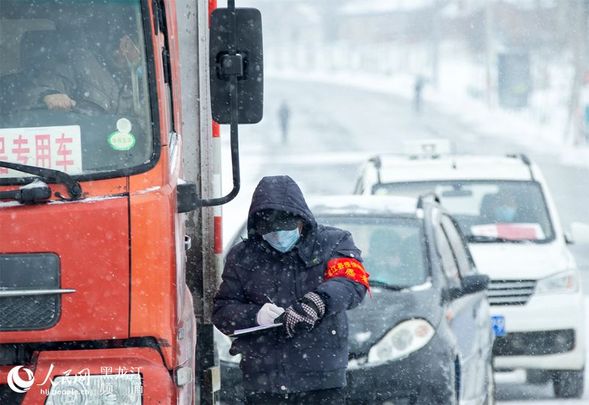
<point x="217" y="182"/>
<point x="217" y="178"/>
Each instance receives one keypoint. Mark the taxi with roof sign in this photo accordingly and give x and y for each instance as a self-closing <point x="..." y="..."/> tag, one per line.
<point x="504" y="207"/>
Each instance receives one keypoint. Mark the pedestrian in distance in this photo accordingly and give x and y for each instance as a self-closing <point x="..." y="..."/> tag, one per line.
<point x="294" y="271"/>
<point x="283" y="117"/>
<point x="418" y="93"/>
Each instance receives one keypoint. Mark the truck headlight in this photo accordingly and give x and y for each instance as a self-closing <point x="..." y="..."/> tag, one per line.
<point x="405" y="338"/>
<point x="565" y="282"/>
<point x="120" y="389"/>
<point x="223" y="346"/>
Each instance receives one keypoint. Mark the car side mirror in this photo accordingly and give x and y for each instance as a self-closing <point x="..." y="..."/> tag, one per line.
<point x="475" y="283"/>
<point x="568" y="238"/>
<point x="470" y="284"/>
<point x="580" y="232"/>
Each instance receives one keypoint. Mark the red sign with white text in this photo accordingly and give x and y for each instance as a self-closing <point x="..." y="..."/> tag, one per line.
<point x="516" y="231"/>
<point x="57" y="148"/>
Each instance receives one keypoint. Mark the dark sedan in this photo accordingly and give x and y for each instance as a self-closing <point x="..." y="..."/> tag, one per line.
<point x="424" y="336"/>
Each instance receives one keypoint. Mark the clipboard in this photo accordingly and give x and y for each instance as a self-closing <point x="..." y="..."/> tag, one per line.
<point x="254" y="329"/>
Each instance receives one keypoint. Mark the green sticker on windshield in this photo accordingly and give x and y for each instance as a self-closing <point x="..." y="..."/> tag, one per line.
<point x="122" y="139"/>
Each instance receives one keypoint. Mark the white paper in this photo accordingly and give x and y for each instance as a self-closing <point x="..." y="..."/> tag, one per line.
<point x="239" y="332"/>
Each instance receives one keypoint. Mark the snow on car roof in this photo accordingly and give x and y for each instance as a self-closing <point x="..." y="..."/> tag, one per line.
<point x="453" y="167"/>
<point x="362" y="204"/>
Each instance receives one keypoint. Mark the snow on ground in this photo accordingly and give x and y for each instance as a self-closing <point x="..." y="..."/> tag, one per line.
<point x="536" y="129"/>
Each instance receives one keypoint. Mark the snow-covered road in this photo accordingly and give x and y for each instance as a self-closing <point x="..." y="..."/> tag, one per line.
<point x="335" y="128"/>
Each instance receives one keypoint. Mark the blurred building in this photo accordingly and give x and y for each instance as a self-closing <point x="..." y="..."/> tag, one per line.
<point x="384" y="20"/>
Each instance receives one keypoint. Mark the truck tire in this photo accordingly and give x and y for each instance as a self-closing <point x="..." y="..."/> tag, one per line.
<point x="568" y="383"/>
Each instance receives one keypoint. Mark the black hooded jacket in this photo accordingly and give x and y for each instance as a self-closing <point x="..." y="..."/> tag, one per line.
<point x="254" y="273"/>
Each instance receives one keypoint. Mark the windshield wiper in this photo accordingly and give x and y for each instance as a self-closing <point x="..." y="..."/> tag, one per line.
<point x="50" y="176"/>
<point x="392" y="287"/>
<point x="491" y="239"/>
<point x="33" y="193"/>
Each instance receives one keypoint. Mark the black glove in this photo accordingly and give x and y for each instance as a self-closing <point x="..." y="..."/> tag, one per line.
<point x="304" y="314"/>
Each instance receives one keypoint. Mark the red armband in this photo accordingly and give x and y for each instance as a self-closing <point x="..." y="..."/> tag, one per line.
<point x="348" y="268"/>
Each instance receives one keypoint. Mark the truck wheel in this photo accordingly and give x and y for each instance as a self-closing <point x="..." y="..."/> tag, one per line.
<point x="568" y="383"/>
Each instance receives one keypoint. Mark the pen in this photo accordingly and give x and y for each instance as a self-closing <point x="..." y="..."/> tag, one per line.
<point x="269" y="299"/>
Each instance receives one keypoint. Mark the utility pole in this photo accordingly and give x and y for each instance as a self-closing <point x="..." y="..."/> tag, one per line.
<point x="435" y="42"/>
<point x="330" y="19"/>
<point x="579" y="12"/>
<point x="488" y="51"/>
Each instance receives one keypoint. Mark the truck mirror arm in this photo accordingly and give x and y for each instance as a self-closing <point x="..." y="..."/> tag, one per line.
<point x="187" y="194"/>
<point x="234" y="153"/>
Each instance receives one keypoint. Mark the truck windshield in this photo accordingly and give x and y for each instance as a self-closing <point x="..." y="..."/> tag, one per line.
<point x="74" y="87"/>
<point x="488" y="211"/>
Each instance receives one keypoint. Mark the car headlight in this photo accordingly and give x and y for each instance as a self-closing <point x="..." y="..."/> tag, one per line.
<point x="405" y="338"/>
<point x="223" y="346"/>
<point x="565" y="282"/>
<point x="120" y="389"/>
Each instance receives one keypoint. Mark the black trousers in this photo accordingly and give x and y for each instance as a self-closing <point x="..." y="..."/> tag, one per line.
<point x="334" y="396"/>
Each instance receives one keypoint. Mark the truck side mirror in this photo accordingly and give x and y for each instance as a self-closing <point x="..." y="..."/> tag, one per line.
<point x="236" y="79"/>
<point x="236" y="50"/>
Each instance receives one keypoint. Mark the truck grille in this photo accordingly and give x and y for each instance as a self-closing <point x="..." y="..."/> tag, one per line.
<point x="510" y="292"/>
<point x="21" y="274"/>
<point x="28" y="313"/>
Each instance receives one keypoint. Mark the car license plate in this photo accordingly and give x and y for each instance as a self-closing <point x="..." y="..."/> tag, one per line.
<point x="498" y="325"/>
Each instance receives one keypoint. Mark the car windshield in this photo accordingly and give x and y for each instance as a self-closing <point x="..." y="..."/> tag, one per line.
<point x="392" y="249"/>
<point x="488" y="211"/>
<point x="73" y="86"/>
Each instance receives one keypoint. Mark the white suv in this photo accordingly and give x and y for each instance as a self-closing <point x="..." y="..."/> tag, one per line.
<point x="503" y="205"/>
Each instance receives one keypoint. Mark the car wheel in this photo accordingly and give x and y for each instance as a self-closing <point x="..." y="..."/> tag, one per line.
<point x="568" y="383"/>
<point x="490" y="392"/>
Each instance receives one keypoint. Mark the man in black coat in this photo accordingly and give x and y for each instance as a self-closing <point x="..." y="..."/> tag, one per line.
<point x="291" y="270"/>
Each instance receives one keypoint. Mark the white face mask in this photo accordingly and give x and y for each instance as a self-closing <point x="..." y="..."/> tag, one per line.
<point x="283" y="241"/>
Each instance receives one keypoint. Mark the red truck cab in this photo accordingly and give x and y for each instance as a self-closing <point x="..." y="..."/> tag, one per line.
<point x="94" y="298"/>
